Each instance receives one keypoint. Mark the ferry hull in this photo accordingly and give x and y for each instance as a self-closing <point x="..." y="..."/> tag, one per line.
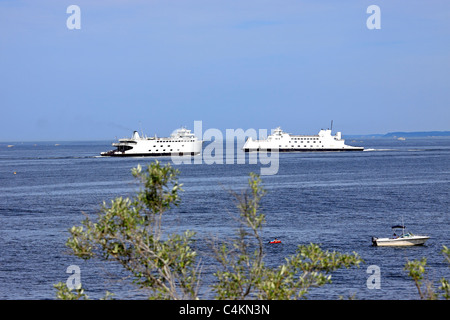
<point x="166" y="154"/>
<point x="280" y="141"/>
<point x="304" y="150"/>
<point x="180" y="143"/>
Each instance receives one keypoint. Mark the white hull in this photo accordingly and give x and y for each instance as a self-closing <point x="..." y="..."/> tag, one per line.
<point x="284" y="142"/>
<point x="400" y="242"/>
<point x="181" y="143"/>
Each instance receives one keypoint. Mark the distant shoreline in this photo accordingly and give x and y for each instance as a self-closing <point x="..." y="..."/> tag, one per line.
<point x="390" y="135"/>
<point x="399" y="134"/>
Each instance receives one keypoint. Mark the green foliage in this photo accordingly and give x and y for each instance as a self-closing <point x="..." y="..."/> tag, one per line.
<point x="64" y="293"/>
<point x="445" y="287"/>
<point x="244" y="275"/>
<point x="417" y="270"/>
<point x="309" y="267"/>
<point x="129" y="231"/>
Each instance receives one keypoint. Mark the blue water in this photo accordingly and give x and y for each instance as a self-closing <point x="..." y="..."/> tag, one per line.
<point x="339" y="200"/>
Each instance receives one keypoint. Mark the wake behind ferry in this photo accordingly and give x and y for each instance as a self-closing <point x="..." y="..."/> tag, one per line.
<point x="284" y="142"/>
<point x="182" y="142"/>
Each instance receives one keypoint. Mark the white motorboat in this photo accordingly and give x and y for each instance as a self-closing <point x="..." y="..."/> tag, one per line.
<point x="404" y="239"/>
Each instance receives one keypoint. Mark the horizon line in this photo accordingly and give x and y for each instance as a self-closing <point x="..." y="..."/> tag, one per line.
<point x="368" y="135"/>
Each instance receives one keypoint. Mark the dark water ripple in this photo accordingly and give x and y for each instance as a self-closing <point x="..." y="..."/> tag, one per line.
<point x="339" y="200"/>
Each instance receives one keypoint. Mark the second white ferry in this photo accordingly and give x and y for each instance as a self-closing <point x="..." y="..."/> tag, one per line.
<point x="180" y="143"/>
<point x="284" y="142"/>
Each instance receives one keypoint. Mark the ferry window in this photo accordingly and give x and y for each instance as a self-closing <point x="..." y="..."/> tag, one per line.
<point x="154" y="146"/>
<point x="168" y="145"/>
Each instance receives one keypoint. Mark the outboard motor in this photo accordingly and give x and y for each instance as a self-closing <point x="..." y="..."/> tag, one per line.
<point x="374" y="241"/>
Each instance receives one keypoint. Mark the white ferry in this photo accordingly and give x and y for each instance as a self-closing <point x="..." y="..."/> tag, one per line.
<point x="180" y="143"/>
<point x="284" y="142"/>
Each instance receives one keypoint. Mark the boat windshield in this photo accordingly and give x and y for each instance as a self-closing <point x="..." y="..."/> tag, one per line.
<point x="409" y="234"/>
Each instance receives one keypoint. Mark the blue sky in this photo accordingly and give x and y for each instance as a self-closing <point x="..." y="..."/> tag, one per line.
<point x="156" y="65"/>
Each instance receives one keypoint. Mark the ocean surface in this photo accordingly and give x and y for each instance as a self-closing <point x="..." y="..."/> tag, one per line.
<point x="337" y="200"/>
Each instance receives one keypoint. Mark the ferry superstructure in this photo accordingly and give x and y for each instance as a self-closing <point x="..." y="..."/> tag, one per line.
<point x="180" y="143"/>
<point x="284" y="142"/>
